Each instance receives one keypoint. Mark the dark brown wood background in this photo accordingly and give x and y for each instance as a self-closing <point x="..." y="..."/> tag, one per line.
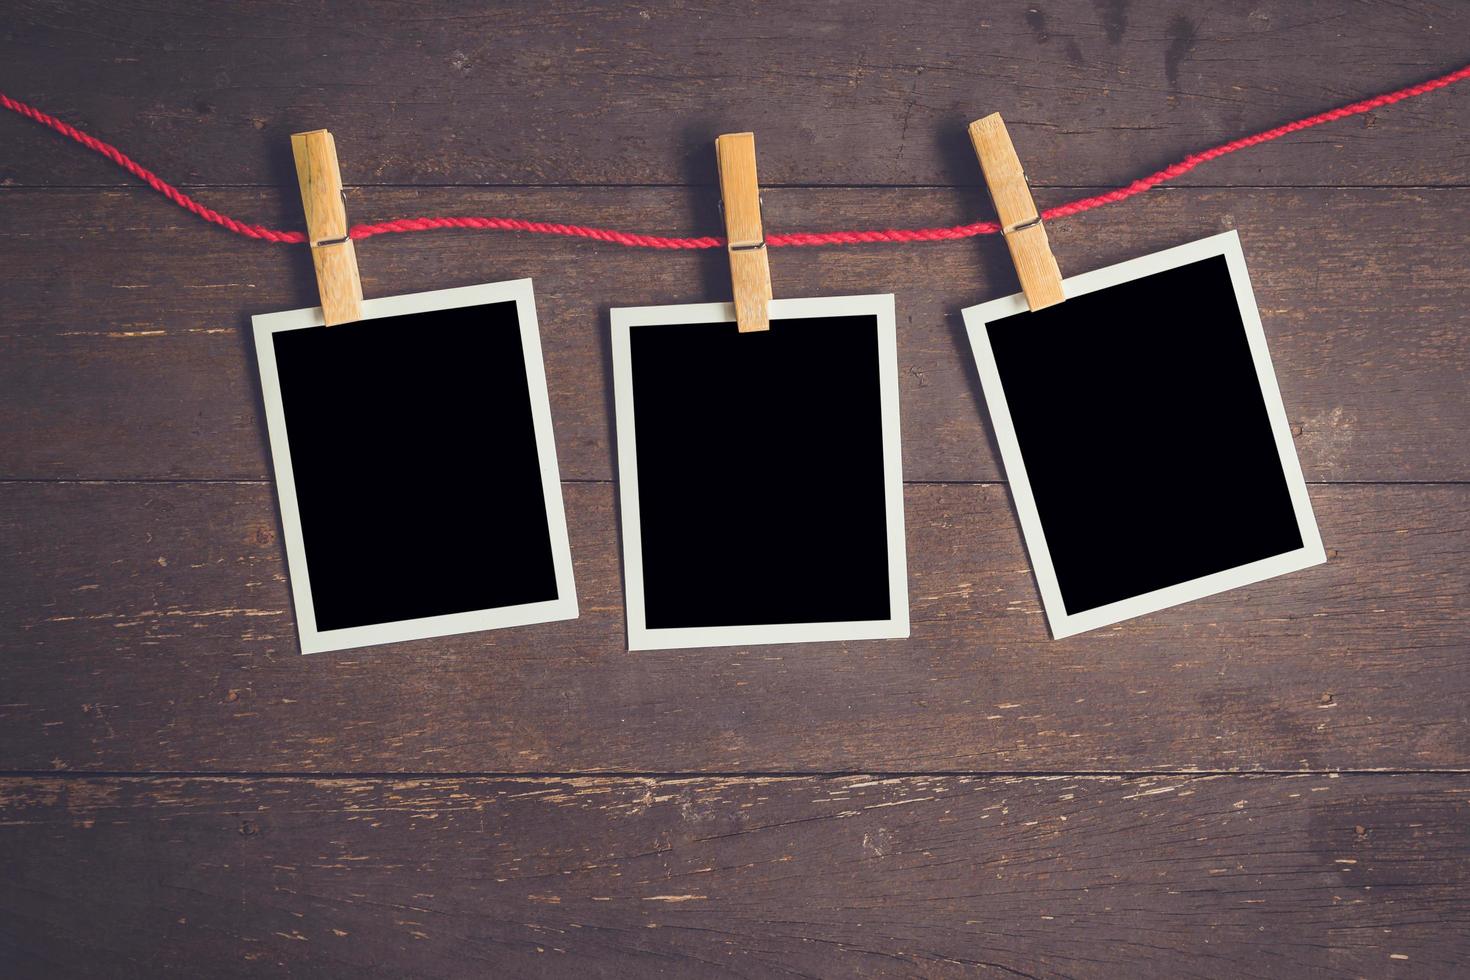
<point x="1270" y="782"/>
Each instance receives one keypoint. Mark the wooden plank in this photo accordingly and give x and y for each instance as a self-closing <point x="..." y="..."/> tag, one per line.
<point x="1268" y="876"/>
<point x="137" y="363"/>
<point x="149" y="629"/>
<point x="866" y="92"/>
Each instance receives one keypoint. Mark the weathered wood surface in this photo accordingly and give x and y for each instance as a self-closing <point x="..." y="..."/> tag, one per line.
<point x="151" y="630"/>
<point x="146" y="627"/>
<point x="135" y="363"/>
<point x="863" y="92"/>
<point x="1307" y="876"/>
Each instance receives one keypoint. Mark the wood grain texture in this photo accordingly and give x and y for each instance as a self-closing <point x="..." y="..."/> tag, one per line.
<point x="151" y="630"/>
<point x="1005" y="178"/>
<point x="745" y="238"/>
<point x="146" y="627"/>
<point x="1238" y="877"/>
<point x="863" y="92"/>
<point x="1020" y="222"/>
<point x="333" y="255"/>
<point x="137" y="364"/>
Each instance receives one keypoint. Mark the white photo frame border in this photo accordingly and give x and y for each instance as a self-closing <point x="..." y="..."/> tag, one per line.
<point x="640" y="636"/>
<point x="1064" y="624"/>
<point x="564" y="606"/>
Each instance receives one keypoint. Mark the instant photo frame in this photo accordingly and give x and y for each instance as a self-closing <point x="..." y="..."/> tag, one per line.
<point x="415" y="467"/>
<point x="760" y="474"/>
<point x="1144" y="437"/>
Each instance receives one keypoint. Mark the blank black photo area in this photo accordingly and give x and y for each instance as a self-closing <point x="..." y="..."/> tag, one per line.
<point x="760" y="476"/>
<point x="1145" y="435"/>
<point x="417" y="479"/>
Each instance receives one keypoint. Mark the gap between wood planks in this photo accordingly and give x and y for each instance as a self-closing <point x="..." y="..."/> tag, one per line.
<point x="684" y="775"/>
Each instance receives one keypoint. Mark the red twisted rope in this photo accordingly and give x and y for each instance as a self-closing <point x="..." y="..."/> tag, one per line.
<point x="149" y="177"/>
<point x="708" y="241"/>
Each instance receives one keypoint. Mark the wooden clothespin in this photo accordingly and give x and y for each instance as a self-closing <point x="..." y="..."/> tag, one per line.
<point x="1020" y="222"/>
<point x="750" y="267"/>
<point x="326" y="226"/>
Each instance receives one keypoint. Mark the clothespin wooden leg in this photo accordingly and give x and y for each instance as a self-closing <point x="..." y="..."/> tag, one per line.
<point x="750" y="267"/>
<point x="1020" y="222"/>
<point x="332" y="252"/>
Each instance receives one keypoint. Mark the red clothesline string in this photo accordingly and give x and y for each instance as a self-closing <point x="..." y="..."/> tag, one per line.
<point x="708" y="241"/>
